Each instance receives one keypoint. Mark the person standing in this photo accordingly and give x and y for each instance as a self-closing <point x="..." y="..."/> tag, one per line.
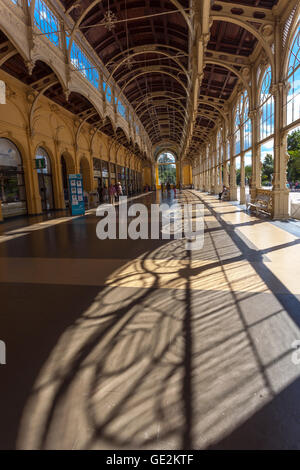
<point x="116" y="192"/>
<point x="119" y="190"/>
<point x="105" y="194"/>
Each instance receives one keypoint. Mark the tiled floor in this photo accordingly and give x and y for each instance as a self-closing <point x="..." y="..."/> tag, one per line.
<point x="142" y="344"/>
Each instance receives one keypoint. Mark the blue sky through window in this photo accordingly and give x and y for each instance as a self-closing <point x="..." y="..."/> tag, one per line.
<point x="46" y="21"/>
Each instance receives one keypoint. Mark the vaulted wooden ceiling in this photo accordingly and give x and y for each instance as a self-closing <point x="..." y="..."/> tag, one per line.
<point x="148" y="54"/>
<point x="154" y="80"/>
<point x="157" y="80"/>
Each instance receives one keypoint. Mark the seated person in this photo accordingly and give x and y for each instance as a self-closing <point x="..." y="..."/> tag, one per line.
<point x="223" y="192"/>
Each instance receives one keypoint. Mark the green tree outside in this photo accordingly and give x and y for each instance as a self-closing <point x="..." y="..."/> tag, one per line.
<point x="267" y="169"/>
<point x="293" y="146"/>
<point x="248" y="172"/>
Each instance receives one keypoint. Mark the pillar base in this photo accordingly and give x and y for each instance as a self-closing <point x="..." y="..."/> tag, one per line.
<point x="61" y="204"/>
<point x="35" y="214"/>
<point x="252" y="193"/>
<point x="280" y="204"/>
<point x="242" y="195"/>
<point x="233" y="193"/>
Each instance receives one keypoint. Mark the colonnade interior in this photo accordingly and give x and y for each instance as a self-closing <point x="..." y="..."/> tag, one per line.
<point x="149" y="339"/>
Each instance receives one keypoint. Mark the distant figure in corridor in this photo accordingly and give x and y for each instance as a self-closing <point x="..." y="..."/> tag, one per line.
<point x="168" y="187"/>
<point x="119" y="190"/>
<point x="112" y="192"/>
<point x="222" y="192"/>
<point x="162" y="187"/>
<point x="105" y="194"/>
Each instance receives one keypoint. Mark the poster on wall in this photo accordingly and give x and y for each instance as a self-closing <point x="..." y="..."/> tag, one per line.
<point x="76" y="193"/>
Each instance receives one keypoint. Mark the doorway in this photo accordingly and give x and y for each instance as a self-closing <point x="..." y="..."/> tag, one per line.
<point x="45" y="180"/>
<point x="12" y="185"/>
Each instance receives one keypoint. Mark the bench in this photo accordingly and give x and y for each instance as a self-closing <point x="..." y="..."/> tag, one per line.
<point x="295" y="210"/>
<point x="263" y="202"/>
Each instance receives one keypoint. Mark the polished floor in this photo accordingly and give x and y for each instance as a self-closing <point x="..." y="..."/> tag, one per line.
<point x="123" y="344"/>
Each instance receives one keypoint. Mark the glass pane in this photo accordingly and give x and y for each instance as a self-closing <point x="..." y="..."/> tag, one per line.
<point x="166" y="158"/>
<point x="167" y="174"/>
<point x="9" y="155"/>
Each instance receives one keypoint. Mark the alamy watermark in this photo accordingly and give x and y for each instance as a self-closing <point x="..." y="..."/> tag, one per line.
<point x="296" y="354"/>
<point x="168" y="221"/>
<point x="2" y="353"/>
<point x="2" y="92"/>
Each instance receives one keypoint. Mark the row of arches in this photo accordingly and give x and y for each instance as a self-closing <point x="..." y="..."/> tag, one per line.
<point x="13" y="174"/>
<point x="45" y="19"/>
<point x="250" y="150"/>
<point x="52" y="176"/>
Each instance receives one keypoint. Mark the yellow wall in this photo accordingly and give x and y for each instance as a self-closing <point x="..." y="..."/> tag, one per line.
<point x="147" y="176"/>
<point x="54" y="129"/>
<point x="187" y="175"/>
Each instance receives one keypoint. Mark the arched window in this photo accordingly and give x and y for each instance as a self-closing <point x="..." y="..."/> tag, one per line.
<point x="266" y="106"/>
<point x="10" y="156"/>
<point x="41" y="154"/>
<point x="82" y="63"/>
<point x="121" y="108"/>
<point x="12" y="185"/>
<point x="209" y="157"/>
<point x="246" y="123"/>
<point x="166" y="168"/>
<point x="108" y="92"/>
<point x="46" y="21"/>
<point x="219" y="147"/>
<point x="166" y="158"/>
<point x="293" y="77"/>
<point x="237" y="123"/>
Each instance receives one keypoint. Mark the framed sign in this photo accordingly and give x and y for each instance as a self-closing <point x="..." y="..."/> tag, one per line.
<point x="76" y="195"/>
<point x="40" y="163"/>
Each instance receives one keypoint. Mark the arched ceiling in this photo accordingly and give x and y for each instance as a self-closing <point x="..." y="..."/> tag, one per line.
<point x="150" y="57"/>
<point x="178" y="90"/>
<point x="147" y="57"/>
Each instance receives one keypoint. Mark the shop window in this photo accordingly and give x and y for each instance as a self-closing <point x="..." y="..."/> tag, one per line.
<point x="12" y="184"/>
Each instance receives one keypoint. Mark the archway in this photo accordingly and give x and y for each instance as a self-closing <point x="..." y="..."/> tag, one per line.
<point x="67" y="168"/>
<point x="166" y="169"/>
<point x="44" y="172"/>
<point x="292" y="114"/>
<point x="86" y="175"/>
<point x="12" y="184"/>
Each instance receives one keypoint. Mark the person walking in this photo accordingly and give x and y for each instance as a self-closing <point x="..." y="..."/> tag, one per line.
<point x="105" y="194"/>
<point x="112" y="192"/>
